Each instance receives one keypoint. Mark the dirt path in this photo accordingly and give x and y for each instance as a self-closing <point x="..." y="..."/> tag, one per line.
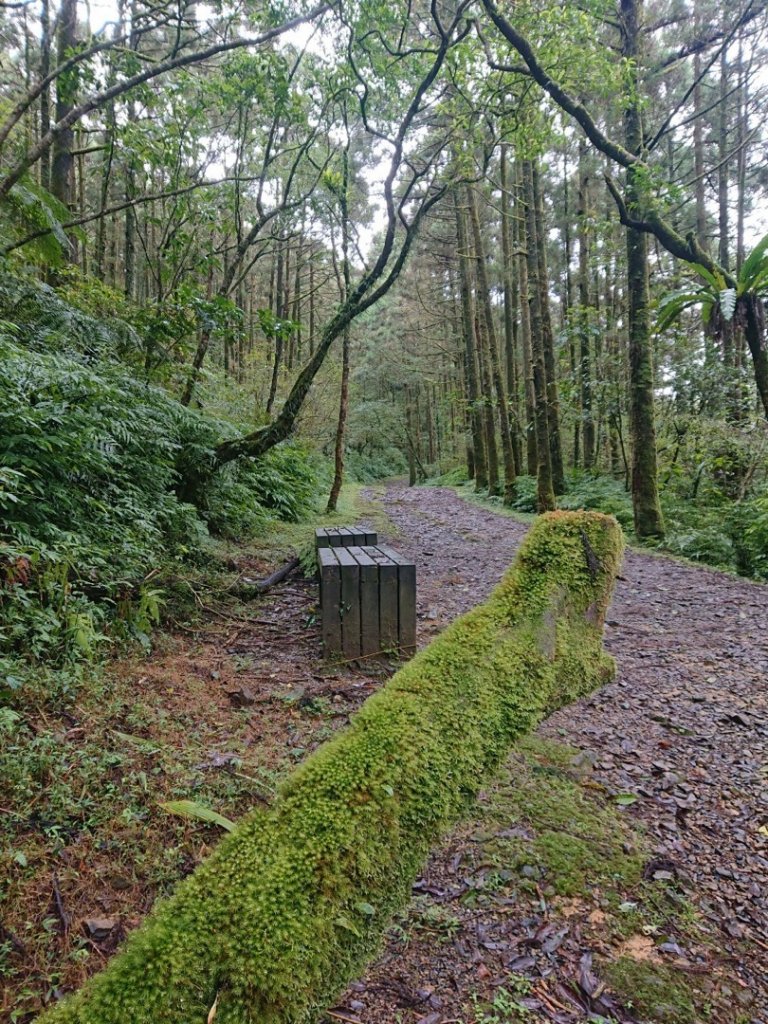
<point x="683" y="729"/>
<point x="226" y="706"/>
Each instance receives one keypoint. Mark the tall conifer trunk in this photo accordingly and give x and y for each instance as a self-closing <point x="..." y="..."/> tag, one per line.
<point x="645" y="494"/>
<point x="585" y="361"/>
<point x="531" y="458"/>
<point x="547" y="336"/>
<point x="510" y="303"/>
<point x="470" y="356"/>
<point x="545" y="494"/>
<point x="63" y="165"/>
<point x="341" y="426"/>
<point x="484" y="300"/>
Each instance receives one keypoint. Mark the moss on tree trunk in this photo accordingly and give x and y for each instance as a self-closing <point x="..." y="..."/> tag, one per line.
<point x="290" y="905"/>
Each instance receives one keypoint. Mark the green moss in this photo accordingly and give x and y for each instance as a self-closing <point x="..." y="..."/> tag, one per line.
<point x="573" y="842"/>
<point x="656" y="992"/>
<point x="292" y="903"/>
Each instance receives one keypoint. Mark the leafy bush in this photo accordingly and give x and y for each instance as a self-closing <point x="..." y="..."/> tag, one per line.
<point x="368" y="467"/>
<point x="452" y="478"/>
<point x="747" y="526"/>
<point x="525" y="494"/>
<point x="92" y="498"/>
<point x="601" y="493"/>
<point x="709" y="544"/>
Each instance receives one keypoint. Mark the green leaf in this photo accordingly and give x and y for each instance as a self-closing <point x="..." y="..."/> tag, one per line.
<point x="717" y="281"/>
<point x="752" y="266"/>
<point x="365" y="908"/>
<point x="728" y="303"/>
<point x="346" y="924"/>
<point x="673" y="305"/>
<point x="192" y="809"/>
<point x="149" y="746"/>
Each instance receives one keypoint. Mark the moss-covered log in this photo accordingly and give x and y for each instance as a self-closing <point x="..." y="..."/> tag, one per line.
<point x="291" y="904"/>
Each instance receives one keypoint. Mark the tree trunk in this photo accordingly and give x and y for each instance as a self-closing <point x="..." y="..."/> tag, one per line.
<point x="545" y="501"/>
<point x="278" y="334"/>
<point x="489" y="425"/>
<point x="531" y="459"/>
<point x="341" y="427"/>
<point x="548" y="339"/>
<point x="567" y="304"/>
<point x="510" y="304"/>
<point x="645" y="495"/>
<point x="62" y="169"/>
<point x="754" y="318"/>
<point x="585" y="364"/>
<point x="484" y="299"/>
<point x="470" y="356"/>
<point x="45" y="95"/>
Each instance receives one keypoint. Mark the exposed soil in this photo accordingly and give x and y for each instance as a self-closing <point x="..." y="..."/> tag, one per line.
<point x="679" y="741"/>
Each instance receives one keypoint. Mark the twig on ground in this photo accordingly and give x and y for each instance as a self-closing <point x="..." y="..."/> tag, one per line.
<point x="63" y="915"/>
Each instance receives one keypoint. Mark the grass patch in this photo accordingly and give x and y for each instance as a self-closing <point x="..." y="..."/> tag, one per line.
<point x="656" y="992"/>
<point x="563" y="840"/>
<point x="354" y="507"/>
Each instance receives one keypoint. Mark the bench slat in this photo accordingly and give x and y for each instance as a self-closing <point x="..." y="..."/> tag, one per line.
<point x="370" y="641"/>
<point x="350" y="603"/>
<point x="330" y="599"/>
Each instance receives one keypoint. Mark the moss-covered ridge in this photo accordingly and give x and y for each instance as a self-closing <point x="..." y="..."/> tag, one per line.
<point x="292" y="903"/>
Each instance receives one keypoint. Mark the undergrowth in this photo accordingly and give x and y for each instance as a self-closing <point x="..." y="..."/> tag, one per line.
<point x="107" y="487"/>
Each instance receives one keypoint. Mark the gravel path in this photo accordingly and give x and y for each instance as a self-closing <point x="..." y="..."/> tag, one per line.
<point x="684" y="726"/>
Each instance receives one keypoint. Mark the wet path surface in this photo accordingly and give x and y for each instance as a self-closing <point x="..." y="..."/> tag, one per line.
<point x="683" y="729"/>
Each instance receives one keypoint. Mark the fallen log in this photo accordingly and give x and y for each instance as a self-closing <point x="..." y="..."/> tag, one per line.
<point x="259" y="586"/>
<point x="291" y="904"/>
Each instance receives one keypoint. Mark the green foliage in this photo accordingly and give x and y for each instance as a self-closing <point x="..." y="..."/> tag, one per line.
<point x="292" y="902"/>
<point x="715" y="296"/>
<point x="712" y="479"/>
<point x="104" y="479"/>
<point x="87" y="318"/>
<point x="375" y="445"/>
<point x="524" y="499"/>
<point x="29" y="208"/>
<point x="601" y="493"/>
<point x="658" y="992"/>
<point x="452" y="478"/>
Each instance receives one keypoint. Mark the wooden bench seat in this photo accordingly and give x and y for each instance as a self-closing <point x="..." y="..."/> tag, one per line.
<point x="344" y="537"/>
<point x="368" y="600"/>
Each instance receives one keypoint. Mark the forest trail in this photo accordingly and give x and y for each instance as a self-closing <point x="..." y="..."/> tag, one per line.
<point x="684" y="729"/>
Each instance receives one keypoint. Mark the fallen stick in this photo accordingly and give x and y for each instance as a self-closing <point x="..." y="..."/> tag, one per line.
<point x="277" y="576"/>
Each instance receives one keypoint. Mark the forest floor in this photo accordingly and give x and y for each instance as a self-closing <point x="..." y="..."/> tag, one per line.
<point x="617" y="870"/>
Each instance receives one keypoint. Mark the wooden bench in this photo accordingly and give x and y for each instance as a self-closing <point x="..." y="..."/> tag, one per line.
<point x="344" y="537"/>
<point x="368" y="600"/>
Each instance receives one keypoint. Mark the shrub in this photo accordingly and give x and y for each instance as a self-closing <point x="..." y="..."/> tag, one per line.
<point x="292" y="902"/>
<point x="601" y="493"/>
<point x="525" y="494"/>
<point x="91" y="498"/>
